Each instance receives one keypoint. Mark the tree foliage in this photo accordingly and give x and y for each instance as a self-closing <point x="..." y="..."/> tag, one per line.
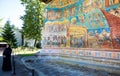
<point x="8" y="34"/>
<point x="1" y="39"/>
<point x="1" y="22"/>
<point x="33" y="19"/>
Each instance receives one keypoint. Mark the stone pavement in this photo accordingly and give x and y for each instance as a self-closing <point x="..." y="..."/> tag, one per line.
<point x="65" y="67"/>
<point x="21" y="70"/>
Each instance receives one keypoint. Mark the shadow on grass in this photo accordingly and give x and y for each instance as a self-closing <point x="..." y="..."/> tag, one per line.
<point x="30" y="54"/>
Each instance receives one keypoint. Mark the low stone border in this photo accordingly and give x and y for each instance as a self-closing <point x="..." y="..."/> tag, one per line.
<point x="31" y="68"/>
<point x="93" y="65"/>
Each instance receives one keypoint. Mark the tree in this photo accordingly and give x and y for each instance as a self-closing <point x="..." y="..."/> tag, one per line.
<point x="1" y="39"/>
<point x="1" y="22"/>
<point x="33" y="19"/>
<point x="46" y="1"/>
<point x="8" y="34"/>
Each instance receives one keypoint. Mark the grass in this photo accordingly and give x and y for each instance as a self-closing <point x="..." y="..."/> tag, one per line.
<point x="22" y="51"/>
<point x="1" y="39"/>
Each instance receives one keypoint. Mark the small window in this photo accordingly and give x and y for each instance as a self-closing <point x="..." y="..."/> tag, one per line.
<point x="97" y="54"/>
<point x="108" y="54"/>
<point x="88" y="53"/>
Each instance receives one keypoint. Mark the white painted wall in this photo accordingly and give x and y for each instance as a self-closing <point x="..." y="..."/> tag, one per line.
<point x="18" y="36"/>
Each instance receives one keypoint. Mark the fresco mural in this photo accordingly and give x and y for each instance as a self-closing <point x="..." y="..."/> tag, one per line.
<point x="81" y="24"/>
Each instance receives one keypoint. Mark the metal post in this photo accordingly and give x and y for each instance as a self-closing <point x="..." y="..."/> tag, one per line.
<point x="32" y="72"/>
<point x="14" y="72"/>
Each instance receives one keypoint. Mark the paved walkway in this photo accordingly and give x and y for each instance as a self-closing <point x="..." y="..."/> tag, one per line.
<point x="21" y="70"/>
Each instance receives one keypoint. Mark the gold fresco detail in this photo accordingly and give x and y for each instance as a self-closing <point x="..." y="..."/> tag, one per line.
<point x="61" y="3"/>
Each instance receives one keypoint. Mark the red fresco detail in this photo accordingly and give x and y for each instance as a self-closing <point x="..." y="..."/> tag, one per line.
<point x="114" y="23"/>
<point x="106" y="3"/>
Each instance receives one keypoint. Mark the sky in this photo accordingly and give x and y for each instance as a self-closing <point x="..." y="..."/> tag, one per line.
<point x="11" y="10"/>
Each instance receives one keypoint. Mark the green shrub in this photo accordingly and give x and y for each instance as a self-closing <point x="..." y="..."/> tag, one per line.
<point x="38" y="45"/>
<point x="1" y="39"/>
<point x="25" y="51"/>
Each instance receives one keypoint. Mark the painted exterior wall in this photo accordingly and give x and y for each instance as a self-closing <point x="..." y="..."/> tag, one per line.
<point x="75" y="52"/>
<point x="82" y="24"/>
<point x="111" y="2"/>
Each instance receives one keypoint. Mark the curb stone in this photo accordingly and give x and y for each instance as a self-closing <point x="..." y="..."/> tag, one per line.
<point x="29" y="67"/>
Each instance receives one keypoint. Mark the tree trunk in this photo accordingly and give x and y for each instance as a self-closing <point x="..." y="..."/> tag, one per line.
<point x="22" y="39"/>
<point x="35" y="42"/>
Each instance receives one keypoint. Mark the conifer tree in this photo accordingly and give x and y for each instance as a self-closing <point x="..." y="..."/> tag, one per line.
<point x="8" y="34"/>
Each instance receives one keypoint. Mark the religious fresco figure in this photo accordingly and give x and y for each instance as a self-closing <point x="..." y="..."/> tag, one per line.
<point x="81" y="18"/>
<point x="80" y="42"/>
<point x="64" y="41"/>
<point x="48" y="41"/>
<point x="59" y="40"/>
<point x="81" y="23"/>
<point x="75" y="42"/>
<point x="71" y="41"/>
<point x="117" y="39"/>
<point x="111" y="2"/>
<point x="51" y="15"/>
<point x="58" y="14"/>
<point x="72" y="11"/>
<point x="77" y="34"/>
<point x="115" y="12"/>
<point x="53" y="41"/>
<point x="44" y="42"/>
<point x="66" y="13"/>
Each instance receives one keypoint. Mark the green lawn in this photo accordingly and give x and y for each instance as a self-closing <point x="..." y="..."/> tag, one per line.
<point x="25" y="51"/>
